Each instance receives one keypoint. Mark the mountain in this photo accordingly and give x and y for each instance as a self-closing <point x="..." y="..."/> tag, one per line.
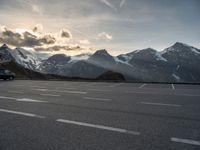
<point x="71" y="66"/>
<point x="20" y="56"/>
<point x="111" y="76"/>
<point x="183" y="60"/>
<point x="54" y="63"/>
<point x="24" y="73"/>
<point x="83" y="69"/>
<point x="102" y="58"/>
<point x="177" y="63"/>
<point x="5" y="53"/>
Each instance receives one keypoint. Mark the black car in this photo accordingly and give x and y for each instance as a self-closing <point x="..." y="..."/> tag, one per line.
<point x="6" y="74"/>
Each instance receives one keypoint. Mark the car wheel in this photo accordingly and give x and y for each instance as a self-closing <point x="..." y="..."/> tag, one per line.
<point x="11" y="78"/>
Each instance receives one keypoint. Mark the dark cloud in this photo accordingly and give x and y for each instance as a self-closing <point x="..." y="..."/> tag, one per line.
<point x="58" y="48"/>
<point x="25" y="39"/>
<point x="10" y="37"/>
<point x="48" y="39"/>
<point x="66" y="34"/>
<point x="35" y="29"/>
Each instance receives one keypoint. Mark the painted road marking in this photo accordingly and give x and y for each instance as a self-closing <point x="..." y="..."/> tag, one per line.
<point x="142" y="92"/>
<point x="160" y="104"/>
<point x="185" y="141"/>
<point x="99" y="126"/>
<point x="156" y="93"/>
<point x="52" y="95"/>
<point x="65" y="88"/>
<point x="37" y="87"/>
<point x="61" y="91"/>
<point x="99" y="90"/>
<point x="22" y="99"/>
<point x="91" y="84"/>
<point x="173" y="88"/>
<point x="98" y="99"/>
<point x="21" y="113"/>
<point x="143" y="85"/>
<point x="16" y="92"/>
<point x="4" y="97"/>
<point x="115" y="85"/>
<point x="29" y="100"/>
<point x="18" y="85"/>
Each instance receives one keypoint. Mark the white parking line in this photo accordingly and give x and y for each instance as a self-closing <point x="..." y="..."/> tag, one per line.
<point x="156" y="93"/>
<point x="18" y="85"/>
<point x="52" y="95"/>
<point x="185" y="141"/>
<point x="91" y="84"/>
<point x="29" y="100"/>
<point x="61" y="91"/>
<point x="195" y="95"/>
<point x="16" y="92"/>
<point x="173" y="88"/>
<point x="134" y="92"/>
<point x="161" y="104"/>
<point x="142" y="86"/>
<point x="37" y="87"/>
<point x="116" y="84"/>
<point x="22" y="99"/>
<point x="21" y="113"/>
<point x="99" y="90"/>
<point x="4" y="97"/>
<point x="65" y="88"/>
<point x="98" y="99"/>
<point x="99" y="127"/>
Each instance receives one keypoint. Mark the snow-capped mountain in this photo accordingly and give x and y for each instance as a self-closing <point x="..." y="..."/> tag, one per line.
<point x="6" y="53"/>
<point x="26" y="58"/>
<point x="21" y="56"/>
<point x="54" y="63"/>
<point x="183" y="61"/>
<point x="178" y="63"/>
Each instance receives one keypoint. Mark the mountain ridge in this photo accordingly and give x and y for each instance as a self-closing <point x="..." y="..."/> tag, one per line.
<point x="177" y="63"/>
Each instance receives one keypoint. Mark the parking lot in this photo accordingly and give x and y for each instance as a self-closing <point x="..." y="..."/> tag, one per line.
<point x="59" y="115"/>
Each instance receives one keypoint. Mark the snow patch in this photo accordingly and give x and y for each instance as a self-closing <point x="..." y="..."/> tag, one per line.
<point x="120" y="61"/>
<point x="195" y="50"/>
<point x="176" y="77"/>
<point x="78" y="58"/>
<point x="178" y="66"/>
<point x="159" y="57"/>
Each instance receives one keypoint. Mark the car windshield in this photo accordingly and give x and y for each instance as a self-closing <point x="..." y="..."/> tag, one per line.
<point x="7" y="71"/>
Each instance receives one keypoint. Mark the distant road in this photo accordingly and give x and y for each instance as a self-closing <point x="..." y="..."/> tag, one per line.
<point x="64" y="115"/>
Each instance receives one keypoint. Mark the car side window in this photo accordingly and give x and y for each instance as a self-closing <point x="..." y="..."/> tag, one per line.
<point x="7" y="71"/>
<point x="1" y="72"/>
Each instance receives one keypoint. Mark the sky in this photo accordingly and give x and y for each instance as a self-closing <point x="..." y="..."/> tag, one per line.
<point x="83" y="26"/>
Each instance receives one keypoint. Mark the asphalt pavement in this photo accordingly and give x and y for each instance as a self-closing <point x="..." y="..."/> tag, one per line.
<point x="66" y="115"/>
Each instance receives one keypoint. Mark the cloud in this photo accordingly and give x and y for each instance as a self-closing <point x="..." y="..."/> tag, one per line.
<point x="85" y="42"/>
<point x="38" y="28"/>
<point x="59" y="48"/>
<point x="122" y="3"/>
<point x="24" y="38"/>
<point x="105" y="36"/>
<point x="107" y="3"/>
<point x="66" y="34"/>
<point x="46" y="42"/>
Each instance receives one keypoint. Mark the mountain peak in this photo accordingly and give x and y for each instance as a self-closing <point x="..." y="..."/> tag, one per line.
<point x="101" y="52"/>
<point x="179" y="47"/>
<point x="180" y="44"/>
<point x="4" y="46"/>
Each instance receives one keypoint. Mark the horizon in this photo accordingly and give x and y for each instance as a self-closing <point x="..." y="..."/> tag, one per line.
<point x="119" y="26"/>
